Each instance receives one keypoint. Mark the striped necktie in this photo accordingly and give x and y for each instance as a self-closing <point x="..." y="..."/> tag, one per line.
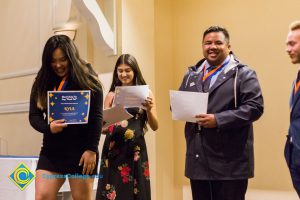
<point x="206" y="82"/>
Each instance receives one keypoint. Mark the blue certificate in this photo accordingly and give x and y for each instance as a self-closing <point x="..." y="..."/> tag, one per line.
<point x="72" y="106"/>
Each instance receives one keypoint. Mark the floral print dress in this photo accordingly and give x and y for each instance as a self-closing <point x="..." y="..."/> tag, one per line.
<point x="124" y="167"/>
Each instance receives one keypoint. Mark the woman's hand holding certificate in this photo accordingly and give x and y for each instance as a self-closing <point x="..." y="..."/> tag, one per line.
<point x="114" y="114"/>
<point x="131" y="96"/>
<point x="71" y="106"/>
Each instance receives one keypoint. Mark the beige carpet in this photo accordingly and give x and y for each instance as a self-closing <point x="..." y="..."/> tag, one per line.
<point x="253" y="194"/>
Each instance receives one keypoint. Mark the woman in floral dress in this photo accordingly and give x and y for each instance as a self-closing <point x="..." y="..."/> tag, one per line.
<point x="124" y="167"/>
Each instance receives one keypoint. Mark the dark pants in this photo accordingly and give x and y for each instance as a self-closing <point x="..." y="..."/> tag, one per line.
<point x="292" y="156"/>
<point x="219" y="190"/>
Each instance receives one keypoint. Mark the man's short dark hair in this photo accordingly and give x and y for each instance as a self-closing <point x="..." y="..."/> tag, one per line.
<point x="216" y="29"/>
<point x="295" y="25"/>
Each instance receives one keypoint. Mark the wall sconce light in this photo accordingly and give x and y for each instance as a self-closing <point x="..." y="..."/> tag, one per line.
<point x="70" y="33"/>
<point x="68" y="29"/>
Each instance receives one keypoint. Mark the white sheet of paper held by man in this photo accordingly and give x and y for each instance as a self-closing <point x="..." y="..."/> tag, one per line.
<point x="131" y="96"/>
<point x="115" y="114"/>
<point x="186" y="105"/>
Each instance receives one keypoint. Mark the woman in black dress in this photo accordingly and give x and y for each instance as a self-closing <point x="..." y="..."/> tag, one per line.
<point x="67" y="150"/>
<point x="124" y="163"/>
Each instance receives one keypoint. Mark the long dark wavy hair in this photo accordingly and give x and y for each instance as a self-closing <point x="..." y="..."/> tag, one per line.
<point x="131" y="62"/>
<point x="80" y="72"/>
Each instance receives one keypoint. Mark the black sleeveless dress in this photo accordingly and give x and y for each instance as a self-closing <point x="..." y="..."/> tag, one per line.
<point x="124" y="167"/>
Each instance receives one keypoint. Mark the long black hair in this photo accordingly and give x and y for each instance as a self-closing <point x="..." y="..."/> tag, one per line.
<point x="131" y="62"/>
<point x="80" y="72"/>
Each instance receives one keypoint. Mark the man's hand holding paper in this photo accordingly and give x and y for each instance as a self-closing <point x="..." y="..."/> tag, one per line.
<point x="187" y="105"/>
<point x="207" y="120"/>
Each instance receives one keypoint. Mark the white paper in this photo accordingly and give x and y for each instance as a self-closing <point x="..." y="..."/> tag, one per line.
<point x="115" y="114"/>
<point x="186" y="105"/>
<point x="131" y="96"/>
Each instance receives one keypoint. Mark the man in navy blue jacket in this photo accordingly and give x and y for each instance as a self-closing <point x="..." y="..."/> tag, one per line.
<point x="292" y="147"/>
<point x="219" y="157"/>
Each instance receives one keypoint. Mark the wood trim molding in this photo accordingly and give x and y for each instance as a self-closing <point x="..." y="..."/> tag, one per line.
<point x="14" y="107"/>
<point x="17" y="74"/>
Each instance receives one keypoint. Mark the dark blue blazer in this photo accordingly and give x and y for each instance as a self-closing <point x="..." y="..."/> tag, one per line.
<point x="292" y="145"/>
<point x="294" y="130"/>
